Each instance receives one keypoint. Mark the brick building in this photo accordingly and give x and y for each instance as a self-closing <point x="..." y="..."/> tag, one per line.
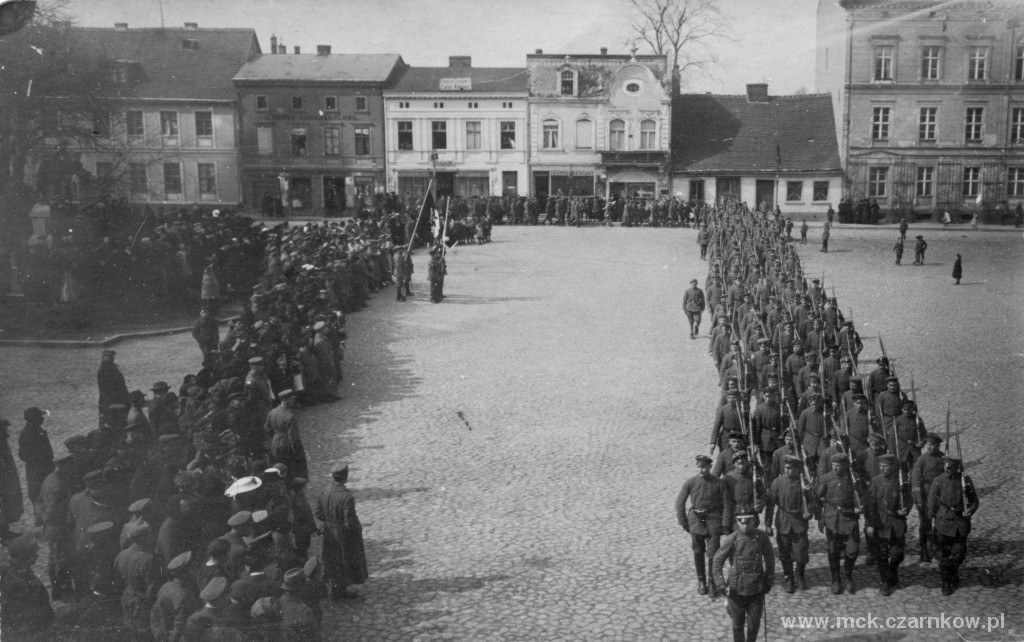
<point x="929" y="102"/>
<point x="312" y="129"/>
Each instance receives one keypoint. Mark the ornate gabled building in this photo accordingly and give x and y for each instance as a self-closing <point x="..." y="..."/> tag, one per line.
<point x="929" y="102"/>
<point x="600" y="124"/>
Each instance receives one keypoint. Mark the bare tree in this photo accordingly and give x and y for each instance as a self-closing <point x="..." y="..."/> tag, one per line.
<point x="684" y="30"/>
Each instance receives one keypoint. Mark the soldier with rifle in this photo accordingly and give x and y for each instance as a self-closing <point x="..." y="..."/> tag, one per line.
<point x="840" y="521"/>
<point x="791" y="501"/>
<point x="710" y="514"/>
<point x="952" y="499"/>
<point x="887" y="521"/>
<point x="907" y="436"/>
<point x="926" y="469"/>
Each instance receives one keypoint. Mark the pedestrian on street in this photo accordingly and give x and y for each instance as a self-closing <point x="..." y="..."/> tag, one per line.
<point x="958" y="269"/>
<point x="110" y="381"/>
<point x="703" y="239"/>
<point x="904" y="226"/>
<point x="825" y="233"/>
<point x="974" y="221"/>
<point x="343" y="552"/>
<point x="206" y="332"/>
<point x="803" y="232"/>
<point x="710" y="515"/>
<point x="919" y="247"/>
<point x="693" y="305"/>
<point x="35" y="450"/>
<point x="25" y="612"/>
<point x="10" y="487"/>
<point x="210" y="290"/>
<point x="751" y="577"/>
<point x="898" y="249"/>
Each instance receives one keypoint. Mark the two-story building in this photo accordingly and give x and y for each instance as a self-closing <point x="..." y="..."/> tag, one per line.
<point x="172" y="139"/>
<point x="464" y="125"/>
<point x="929" y="101"/>
<point x="599" y="124"/>
<point x="312" y="129"/>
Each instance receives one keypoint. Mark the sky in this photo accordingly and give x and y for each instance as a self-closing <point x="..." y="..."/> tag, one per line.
<point x="771" y="40"/>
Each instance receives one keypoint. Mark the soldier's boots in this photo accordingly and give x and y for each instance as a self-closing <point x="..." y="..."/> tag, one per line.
<point x="955" y="577"/>
<point x="833" y="567"/>
<point x="837" y="585"/>
<point x="790" y="586"/>
<point x="700" y="563"/>
<point x="800" y="578"/>
<point x="885" y="589"/>
<point x="848" y="584"/>
<point x="926" y="556"/>
<point x="947" y="580"/>
<point x="894" y="575"/>
<point x="713" y="590"/>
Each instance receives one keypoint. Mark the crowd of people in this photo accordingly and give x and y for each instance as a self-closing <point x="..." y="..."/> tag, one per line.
<point x="184" y="514"/>
<point x="822" y="441"/>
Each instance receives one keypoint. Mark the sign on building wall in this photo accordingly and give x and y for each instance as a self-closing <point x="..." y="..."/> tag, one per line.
<point x="455" y="84"/>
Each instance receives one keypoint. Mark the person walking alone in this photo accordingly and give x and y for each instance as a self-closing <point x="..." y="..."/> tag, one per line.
<point x="958" y="269"/>
<point x="693" y="305"/>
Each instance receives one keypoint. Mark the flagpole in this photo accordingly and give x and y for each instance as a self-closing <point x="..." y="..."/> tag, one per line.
<point x="419" y="216"/>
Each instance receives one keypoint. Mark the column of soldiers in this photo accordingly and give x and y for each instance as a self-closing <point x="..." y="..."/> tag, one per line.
<point x="821" y="441"/>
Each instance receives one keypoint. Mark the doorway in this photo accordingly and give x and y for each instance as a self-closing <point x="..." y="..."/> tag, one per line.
<point x="334" y="195"/>
<point x="765" y="195"/>
<point x="445" y="183"/>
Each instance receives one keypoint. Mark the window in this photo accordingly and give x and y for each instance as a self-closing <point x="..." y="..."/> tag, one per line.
<point x="137" y="181"/>
<point x="925" y="181"/>
<point x="438" y="134"/>
<point x="880" y="123"/>
<point x="617" y="135"/>
<point x="1017" y="125"/>
<point x="473" y="134"/>
<point x="169" y="124"/>
<point x="262" y="104"/>
<point x="204" y="129"/>
<point x="135" y="125"/>
<point x="473" y="105"/>
<point x="1018" y="64"/>
<point x="878" y="179"/>
<point x="550" y="134"/>
<point x="972" y="181"/>
<point x="265" y="140"/>
<point x="568" y="85"/>
<point x="972" y="129"/>
<point x="101" y="125"/>
<point x="297" y="103"/>
<point x="362" y="140"/>
<point x="508" y="134"/>
<point x="405" y="135"/>
<point x="883" y="62"/>
<point x="794" y="190"/>
<point x="332" y="141"/>
<point x="1015" y="181"/>
<point x="299" y="142"/>
<point x="977" y="63"/>
<point x="506" y="105"/>
<point x="820" y="191"/>
<point x="926" y="124"/>
<point x="584" y="133"/>
<point x="119" y="74"/>
<point x="361" y="104"/>
<point x="172" y="181"/>
<point x="207" y="175"/>
<point x="403" y="105"/>
<point x="930" y="62"/>
<point x="438" y="105"/>
<point x="633" y="87"/>
<point x="697" y="190"/>
<point x="647" y="131"/>
<point x="330" y="103"/>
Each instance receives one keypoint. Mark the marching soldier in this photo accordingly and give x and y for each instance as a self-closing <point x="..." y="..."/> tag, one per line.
<point x="841" y="522"/>
<point x="952" y="499"/>
<point x="745" y="488"/>
<point x="887" y="522"/>
<point x="751" y="577"/>
<point x="709" y="515"/>
<point x="790" y="496"/>
<point x="727" y="422"/>
<point x="694" y="305"/>
<point x="435" y="274"/>
<point x="907" y="436"/>
<point x="724" y="463"/>
<point x="927" y="467"/>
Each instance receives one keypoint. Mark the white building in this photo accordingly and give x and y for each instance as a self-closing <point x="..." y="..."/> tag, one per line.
<point x="465" y="125"/>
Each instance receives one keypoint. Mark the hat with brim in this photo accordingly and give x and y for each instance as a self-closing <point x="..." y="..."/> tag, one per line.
<point x="240" y="518"/>
<point x="243" y="485"/>
<point x="703" y="459"/>
<point x="839" y="458"/>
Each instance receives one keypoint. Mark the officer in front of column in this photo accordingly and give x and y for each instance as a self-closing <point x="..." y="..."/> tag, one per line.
<point x="751" y="577"/>
<point x="710" y="515"/>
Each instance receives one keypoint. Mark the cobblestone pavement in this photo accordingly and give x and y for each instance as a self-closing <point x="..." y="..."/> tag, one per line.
<point x="550" y="516"/>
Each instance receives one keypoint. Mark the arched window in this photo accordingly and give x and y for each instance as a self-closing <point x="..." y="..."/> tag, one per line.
<point x="584" y="134"/>
<point x="647" y="131"/>
<point x="617" y="135"/>
<point x="550" y="131"/>
<point x="568" y="85"/>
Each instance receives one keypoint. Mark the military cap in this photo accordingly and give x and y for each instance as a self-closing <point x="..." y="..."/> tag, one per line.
<point x="763" y="340"/>
<point x="180" y="561"/>
<point x="139" y="506"/>
<point x="892" y="378"/>
<point x="280" y="287"/>
<point x="745" y="511"/>
<point x="790" y="460"/>
<point x="338" y="469"/>
<point x="110" y="352"/>
<point x="732" y="392"/>
<point x="318" y="326"/>
<point x="860" y="397"/>
<point x="909" y="403"/>
<point x="882" y="361"/>
<point x="949" y="459"/>
<point x="236" y="395"/>
<point x="735" y="435"/>
<point x="839" y="458"/>
<point x="240" y="518"/>
<point x="243" y="593"/>
<point x="93" y="478"/>
<point x="214" y="589"/>
<point x="99" y="527"/>
<point x="77" y="440"/>
<point x="243" y="485"/>
<point x="814" y="376"/>
<point x="287" y="393"/>
<point x="811" y="356"/>
<point x="160" y="385"/>
<point x="740" y="454"/>
<point x="933" y="438"/>
<point x="845" y="359"/>
<point x="22" y="546"/>
<point x="918" y="237"/>
<point x="257" y="326"/>
<point x="294" y="579"/>
<point x="259" y="516"/>
<point x="299" y="482"/>
<point x="35" y="412"/>
<point x="703" y="459"/>
<point x="887" y="459"/>
<point x="255" y="360"/>
<point x="693" y="281"/>
<point x="138" y="530"/>
<point x="266" y="609"/>
<point x="813" y="393"/>
<point x="815" y="280"/>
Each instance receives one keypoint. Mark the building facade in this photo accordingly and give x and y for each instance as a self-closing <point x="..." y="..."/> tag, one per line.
<point x="171" y="141"/>
<point x="929" y="100"/>
<point x="312" y="130"/>
<point x="763" y="150"/>
<point x="466" y="126"/>
<point x="599" y="124"/>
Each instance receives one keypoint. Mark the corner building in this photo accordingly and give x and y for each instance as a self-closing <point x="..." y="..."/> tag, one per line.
<point x="600" y="124"/>
<point x="929" y="102"/>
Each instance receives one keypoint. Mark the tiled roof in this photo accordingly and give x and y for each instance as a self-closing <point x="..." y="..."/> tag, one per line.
<point x="368" y="68"/>
<point x="730" y="134"/>
<point x="168" y="68"/>
<point x="483" y="79"/>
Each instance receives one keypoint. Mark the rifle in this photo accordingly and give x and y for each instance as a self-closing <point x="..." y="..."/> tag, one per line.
<point x="752" y="451"/>
<point x="849" y="456"/>
<point x="799" y="441"/>
<point x="881" y="344"/>
<point x="899" y="466"/>
<point x="423" y="206"/>
<point x="947" y="423"/>
<point x="963" y="471"/>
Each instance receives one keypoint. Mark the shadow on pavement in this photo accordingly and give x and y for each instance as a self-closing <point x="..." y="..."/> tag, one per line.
<point x="462" y="299"/>
<point x="376" y="493"/>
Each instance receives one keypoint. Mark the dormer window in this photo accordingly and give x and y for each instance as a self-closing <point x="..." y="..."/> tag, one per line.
<point x="567" y="86"/>
<point x="190" y="44"/>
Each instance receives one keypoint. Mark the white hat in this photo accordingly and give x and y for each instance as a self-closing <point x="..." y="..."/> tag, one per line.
<point x="243" y="485"/>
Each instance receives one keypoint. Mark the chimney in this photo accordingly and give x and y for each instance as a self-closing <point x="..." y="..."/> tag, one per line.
<point x="323" y="50"/>
<point x="604" y="51"/>
<point x="191" y="25"/>
<point x="273" y="44"/>
<point x="675" y="80"/>
<point x="538" y="51"/>
<point x="121" y="26"/>
<point x="757" y="92"/>
<point x="460" y="61"/>
<point x="297" y="50"/>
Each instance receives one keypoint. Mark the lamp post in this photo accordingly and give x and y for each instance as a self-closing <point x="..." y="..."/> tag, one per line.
<point x="433" y="176"/>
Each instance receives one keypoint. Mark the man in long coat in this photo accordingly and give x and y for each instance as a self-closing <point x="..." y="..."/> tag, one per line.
<point x="343" y="553"/>
<point x="35" y="450"/>
<point x="113" y="388"/>
<point x="10" y="486"/>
